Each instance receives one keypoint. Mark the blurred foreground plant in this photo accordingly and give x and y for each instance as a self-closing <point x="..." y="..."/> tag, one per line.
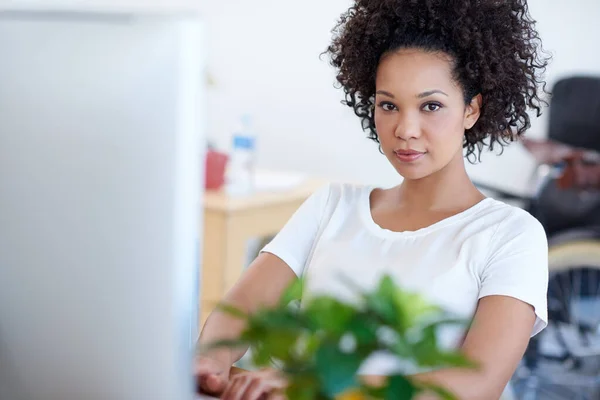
<point x="320" y="346"/>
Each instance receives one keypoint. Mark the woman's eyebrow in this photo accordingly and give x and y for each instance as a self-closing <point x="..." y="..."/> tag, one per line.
<point x="420" y="95"/>
<point x="383" y="92"/>
<point x="430" y="92"/>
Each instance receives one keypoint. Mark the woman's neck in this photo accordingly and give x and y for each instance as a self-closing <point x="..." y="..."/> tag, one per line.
<point x="448" y="188"/>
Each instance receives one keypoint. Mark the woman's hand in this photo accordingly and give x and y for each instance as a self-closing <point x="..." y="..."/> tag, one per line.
<point x="212" y="375"/>
<point x="256" y="385"/>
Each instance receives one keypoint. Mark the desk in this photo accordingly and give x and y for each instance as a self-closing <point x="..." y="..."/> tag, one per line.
<point x="229" y="222"/>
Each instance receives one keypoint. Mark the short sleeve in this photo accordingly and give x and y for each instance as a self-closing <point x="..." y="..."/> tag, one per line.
<point x="294" y="243"/>
<point x="518" y="265"/>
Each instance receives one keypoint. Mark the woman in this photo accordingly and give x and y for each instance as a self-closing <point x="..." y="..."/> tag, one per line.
<point x="428" y="79"/>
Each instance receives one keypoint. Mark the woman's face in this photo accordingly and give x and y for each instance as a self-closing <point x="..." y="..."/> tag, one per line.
<point x="420" y="112"/>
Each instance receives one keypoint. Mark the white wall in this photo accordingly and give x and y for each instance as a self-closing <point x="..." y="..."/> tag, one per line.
<point x="153" y="6"/>
<point x="264" y="59"/>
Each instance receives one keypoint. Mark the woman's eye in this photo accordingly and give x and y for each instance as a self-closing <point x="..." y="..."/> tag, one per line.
<point x="431" y="107"/>
<point x="387" y="106"/>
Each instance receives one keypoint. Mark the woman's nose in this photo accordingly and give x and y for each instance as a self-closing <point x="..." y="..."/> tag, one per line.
<point x="407" y="127"/>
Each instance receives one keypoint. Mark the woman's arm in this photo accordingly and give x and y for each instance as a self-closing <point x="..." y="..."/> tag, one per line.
<point x="262" y="285"/>
<point x="512" y="306"/>
<point x="496" y="342"/>
<point x="280" y="262"/>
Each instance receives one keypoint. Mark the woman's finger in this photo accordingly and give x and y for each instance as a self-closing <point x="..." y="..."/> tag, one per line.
<point x="235" y="389"/>
<point x="211" y="376"/>
<point x="213" y="383"/>
<point x="270" y="382"/>
<point x="227" y="391"/>
<point x="257" y="389"/>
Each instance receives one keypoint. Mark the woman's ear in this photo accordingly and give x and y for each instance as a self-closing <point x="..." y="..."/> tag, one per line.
<point x="473" y="111"/>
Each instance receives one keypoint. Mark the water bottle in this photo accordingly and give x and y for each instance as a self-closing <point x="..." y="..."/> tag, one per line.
<point x="240" y="174"/>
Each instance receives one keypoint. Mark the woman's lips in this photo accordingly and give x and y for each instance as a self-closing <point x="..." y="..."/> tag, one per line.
<point x="408" y="156"/>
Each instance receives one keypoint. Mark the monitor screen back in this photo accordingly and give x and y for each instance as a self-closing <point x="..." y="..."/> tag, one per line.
<point x="100" y="165"/>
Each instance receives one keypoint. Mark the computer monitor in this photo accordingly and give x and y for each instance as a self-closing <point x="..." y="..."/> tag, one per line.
<point x="101" y="147"/>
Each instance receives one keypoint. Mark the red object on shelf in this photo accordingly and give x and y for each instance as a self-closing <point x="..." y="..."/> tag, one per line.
<point x="216" y="164"/>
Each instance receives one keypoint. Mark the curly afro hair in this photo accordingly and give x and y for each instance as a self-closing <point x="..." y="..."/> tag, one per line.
<point x="494" y="46"/>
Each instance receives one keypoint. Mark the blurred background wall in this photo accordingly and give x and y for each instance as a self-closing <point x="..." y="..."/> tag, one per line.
<point x="264" y="60"/>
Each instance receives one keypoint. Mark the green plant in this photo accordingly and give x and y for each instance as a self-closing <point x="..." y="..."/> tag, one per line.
<point x="320" y="346"/>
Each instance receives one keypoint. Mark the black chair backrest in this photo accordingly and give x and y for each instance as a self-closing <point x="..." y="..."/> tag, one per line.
<point x="575" y="121"/>
<point x="575" y="112"/>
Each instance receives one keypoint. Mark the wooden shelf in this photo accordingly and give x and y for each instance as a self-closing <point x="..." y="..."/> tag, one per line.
<point x="229" y="222"/>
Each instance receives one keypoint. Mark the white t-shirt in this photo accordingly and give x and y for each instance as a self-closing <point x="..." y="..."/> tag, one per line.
<point x="490" y="249"/>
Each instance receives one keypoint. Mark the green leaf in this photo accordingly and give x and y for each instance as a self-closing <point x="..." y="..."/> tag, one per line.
<point x="429" y="337"/>
<point x="306" y="347"/>
<point x="281" y="344"/>
<point x="433" y="324"/>
<point x="399" y="388"/>
<point x="302" y="389"/>
<point x="427" y="353"/>
<point x="382" y="308"/>
<point x="292" y="293"/>
<point x="261" y="356"/>
<point x="433" y="357"/>
<point x="402" y="349"/>
<point x="387" y="288"/>
<point x="329" y="314"/>
<point x="276" y="319"/>
<point x="441" y="393"/>
<point x="232" y="310"/>
<point x="278" y="343"/>
<point x="300" y="370"/>
<point x="411" y="308"/>
<point x="393" y="305"/>
<point x="374" y="392"/>
<point x="224" y="344"/>
<point x="307" y="340"/>
<point x="448" y="321"/>
<point x="336" y="370"/>
<point x="363" y="330"/>
<point x="454" y="359"/>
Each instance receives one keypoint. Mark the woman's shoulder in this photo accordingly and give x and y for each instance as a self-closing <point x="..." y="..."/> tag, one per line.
<point x="511" y="215"/>
<point x="514" y="225"/>
<point x="348" y="190"/>
<point x="341" y="198"/>
<point x="344" y="192"/>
